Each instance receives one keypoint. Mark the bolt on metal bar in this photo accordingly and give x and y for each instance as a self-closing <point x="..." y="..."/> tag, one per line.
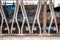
<point x="37" y="16"/>
<point x="3" y="18"/>
<point x="53" y="17"/>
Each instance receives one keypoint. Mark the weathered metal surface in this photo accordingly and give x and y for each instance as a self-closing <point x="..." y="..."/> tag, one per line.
<point x="25" y="18"/>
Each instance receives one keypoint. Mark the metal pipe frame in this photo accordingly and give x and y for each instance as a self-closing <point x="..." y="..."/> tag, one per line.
<point x="37" y="16"/>
<point x="20" y="3"/>
<point x="25" y="18"/>
<point x="15" y="17"/>
<point x="53" y="17"/>
<point x="3" y="18"/>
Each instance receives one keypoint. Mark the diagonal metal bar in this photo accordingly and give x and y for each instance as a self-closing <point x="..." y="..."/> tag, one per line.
<point x="37" y="16"/>
<point x="24" y="17"/>
<point x="20" y="3"/>
<point x="3" y="18"/>
<point x="15" y="17"/>
<point x="53" y="17"/>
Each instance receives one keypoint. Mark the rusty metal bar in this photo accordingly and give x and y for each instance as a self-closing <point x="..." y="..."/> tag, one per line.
<point x="44" y="17"/>
<point x="3" y="18"/>
<point x="53" y="17"/>
<point x="37" y="16"/>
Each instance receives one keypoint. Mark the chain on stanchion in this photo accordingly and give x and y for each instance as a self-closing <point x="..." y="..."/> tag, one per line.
<point x="15" y="17"/>
<point x="3" y="18"/>
<point x="37" y="16"/>
<point x="53" y="17"/>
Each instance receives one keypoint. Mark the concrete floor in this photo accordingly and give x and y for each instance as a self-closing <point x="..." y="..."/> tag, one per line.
<point x="28" y="38"/>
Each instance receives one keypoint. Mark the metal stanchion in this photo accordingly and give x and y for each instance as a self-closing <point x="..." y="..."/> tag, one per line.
<point x="3" y="18"/>
<point x="44" y="17"/>
<point x="37" y="16"/>
<point x="53" y="17"/>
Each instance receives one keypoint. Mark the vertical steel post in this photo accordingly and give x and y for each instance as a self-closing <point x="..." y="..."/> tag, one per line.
<point x="44" y="17"/>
